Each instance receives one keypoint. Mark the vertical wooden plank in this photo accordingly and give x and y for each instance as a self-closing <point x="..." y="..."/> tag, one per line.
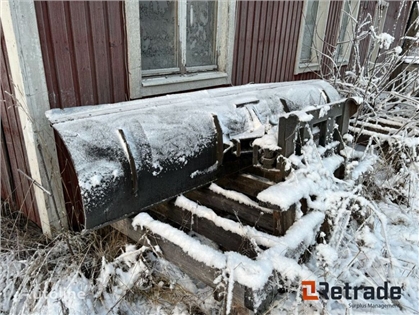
<point x="282" y="42"/>
<point x="366" y="8"/>
<point x="398" y="11"/>
<point x="236" y="45"/>
<point x="100" y="51"/>
<point x="241" y="42"/>
<point x="71" y="49"/>
<point x="7" y="184"/>
<point x="331" y="35"/>
<point x="277" y="47"/>
<point x="293" y="48"/>
<point x="255" y="42"/>
<point x="62" y="52"/>
<point x="77" y="16"/>
<point x="41" y="9"/>
<point x="290" y="40"/>
<point x="116" y="47"/>
<point x="260" y="45"/>
<point x="248" y="42"/>
<point x="271" y="63"/>
<point x="267" y="40"/>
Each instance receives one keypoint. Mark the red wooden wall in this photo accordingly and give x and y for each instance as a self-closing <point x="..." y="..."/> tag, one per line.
<point x="266" y="41"/>
<point x="396" y="19"/>
<point x="16" y="189"/>
<point x="267" y="33"/>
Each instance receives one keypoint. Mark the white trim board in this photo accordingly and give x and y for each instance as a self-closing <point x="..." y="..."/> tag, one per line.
<point x="317" y="41"/>
<point x="27" y="70"/>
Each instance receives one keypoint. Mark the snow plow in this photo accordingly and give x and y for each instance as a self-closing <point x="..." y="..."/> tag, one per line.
<point x="215" y="165"/>
<point x="132" y="155"/>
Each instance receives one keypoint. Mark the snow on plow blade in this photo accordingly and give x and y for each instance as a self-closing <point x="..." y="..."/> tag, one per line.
<point x="131" y="155"/>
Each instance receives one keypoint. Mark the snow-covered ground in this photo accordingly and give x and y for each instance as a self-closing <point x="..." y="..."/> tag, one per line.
<point x="373" y="214"/>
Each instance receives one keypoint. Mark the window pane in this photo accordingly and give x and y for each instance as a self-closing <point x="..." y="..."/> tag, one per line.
<point x="343" y="29"/>
<point x="158" y="34"/>
<point x="309" y="30"/>
<point x="201" y="21"/>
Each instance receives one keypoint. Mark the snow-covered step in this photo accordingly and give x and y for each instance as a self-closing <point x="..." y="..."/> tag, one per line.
<point x="383" y="124"/>
<point x="228" y="240"/>
<point x="246" y="213"/>
<point x="245" y="282"/>
<point x="205" y="226"/>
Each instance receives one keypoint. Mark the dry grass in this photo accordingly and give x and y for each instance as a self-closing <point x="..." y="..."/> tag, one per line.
<point x="29" y="262"/>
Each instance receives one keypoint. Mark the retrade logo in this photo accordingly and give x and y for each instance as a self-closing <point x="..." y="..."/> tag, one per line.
<point x="310" y="291"/>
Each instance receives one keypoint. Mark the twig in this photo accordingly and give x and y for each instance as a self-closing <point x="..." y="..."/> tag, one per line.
<point x="35" y="182"/>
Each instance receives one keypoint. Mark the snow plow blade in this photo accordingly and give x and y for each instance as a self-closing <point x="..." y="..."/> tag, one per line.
<point x="129" y="156"/>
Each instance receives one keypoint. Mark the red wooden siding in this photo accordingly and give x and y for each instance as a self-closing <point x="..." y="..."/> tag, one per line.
<point x="6" y="184"/>
<point x="84" y="53"/>
<point x="267" y="34"/>
<point x="269" y="41"/>
<point x="15" y="188"/>
<point x="331" y="35"/>
<point x="398" y="11"/>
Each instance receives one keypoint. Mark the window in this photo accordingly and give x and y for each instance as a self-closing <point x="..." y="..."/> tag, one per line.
<point x="311" y="39"/>
<point x="179" y="45"/>
<point x="350" y="12"/>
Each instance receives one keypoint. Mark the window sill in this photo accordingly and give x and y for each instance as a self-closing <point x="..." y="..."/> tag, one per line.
<point x="176" y="83"/>
<point x="340" y="62"/>
<point x="307" y="67"/>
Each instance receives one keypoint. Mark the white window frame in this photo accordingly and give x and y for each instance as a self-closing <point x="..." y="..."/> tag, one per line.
<point x="381" y="11"/>
<point x="162" y="83"/>
<point x="350" y="32"/>
<point x="317" y="41"/>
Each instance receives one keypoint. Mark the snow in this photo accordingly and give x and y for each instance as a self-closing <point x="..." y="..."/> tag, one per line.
<point x="411" y="59"/>
<point x="268" y="141"/>
<point x="385" y="40"/>
<point x="241" y="198"/>
<point x="243" y="270"/>
<point x="96" y="180"/>
<point x="398" y="50"/>
<point x="194" y="248"/>
<point x="250" y="273"/>
<point x="409" y="141"/>
<point x="303" y="184"/>
<point x="207" y="170"/>
<point x="227" y="224"/>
